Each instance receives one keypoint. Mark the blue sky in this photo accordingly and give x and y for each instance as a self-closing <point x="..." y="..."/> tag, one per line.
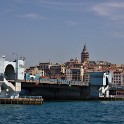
<point x="56" y="30"/>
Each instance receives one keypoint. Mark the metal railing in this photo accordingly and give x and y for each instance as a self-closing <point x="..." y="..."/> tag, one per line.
<point x="59" y="81"/>
<point x="31" y="97"/>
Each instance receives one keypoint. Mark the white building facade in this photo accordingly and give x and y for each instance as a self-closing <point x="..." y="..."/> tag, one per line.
<point x="11" y="71"/>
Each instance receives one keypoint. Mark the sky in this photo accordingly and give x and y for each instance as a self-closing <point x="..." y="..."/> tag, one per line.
<point x="56" y="30"/>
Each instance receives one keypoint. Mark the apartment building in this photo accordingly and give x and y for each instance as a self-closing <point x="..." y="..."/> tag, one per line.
<point x="117" y="78"/>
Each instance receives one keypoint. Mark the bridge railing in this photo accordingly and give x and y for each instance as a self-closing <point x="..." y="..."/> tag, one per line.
<point x="31" y="97"/>
<point x="60" y="81"/>
<point x="55" y="81"/>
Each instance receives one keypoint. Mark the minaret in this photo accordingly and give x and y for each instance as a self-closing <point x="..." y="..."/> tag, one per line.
<point x="84" y="55"/>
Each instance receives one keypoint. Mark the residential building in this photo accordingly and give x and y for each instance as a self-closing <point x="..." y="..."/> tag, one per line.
<point x="45" y="67"/>
<point x="33" y="70"/>
<point x="75" y="74"/>
<point x="57" y="71"/>
<point x="86" y="77"/>
<point x="73" y="63"/>
<point x="118" y="78"/>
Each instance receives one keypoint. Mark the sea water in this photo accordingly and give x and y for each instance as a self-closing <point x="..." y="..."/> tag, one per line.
<point x="74" y="112"/>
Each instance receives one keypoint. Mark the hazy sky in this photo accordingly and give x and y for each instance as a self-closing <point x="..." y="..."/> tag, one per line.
<point x="56" y="30"/>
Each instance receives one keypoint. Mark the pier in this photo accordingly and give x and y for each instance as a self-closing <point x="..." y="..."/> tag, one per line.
<point x="28" y="101"/>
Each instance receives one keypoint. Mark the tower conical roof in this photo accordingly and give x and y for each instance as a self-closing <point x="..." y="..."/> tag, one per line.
<point x="85" y="49"/>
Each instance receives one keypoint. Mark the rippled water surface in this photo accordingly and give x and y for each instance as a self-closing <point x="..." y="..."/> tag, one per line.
<point x="92" y="112"/>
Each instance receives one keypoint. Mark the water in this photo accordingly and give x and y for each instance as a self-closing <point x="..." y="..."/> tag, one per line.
<point x="92" y="112"/>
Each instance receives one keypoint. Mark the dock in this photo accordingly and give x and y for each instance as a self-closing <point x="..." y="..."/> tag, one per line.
<point x="27" y="101"/>
<point x="104" y="99"/>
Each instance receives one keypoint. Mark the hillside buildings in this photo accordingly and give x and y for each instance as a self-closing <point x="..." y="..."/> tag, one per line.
<point x="78" y="70"/>
<point x="95" y="74"/>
